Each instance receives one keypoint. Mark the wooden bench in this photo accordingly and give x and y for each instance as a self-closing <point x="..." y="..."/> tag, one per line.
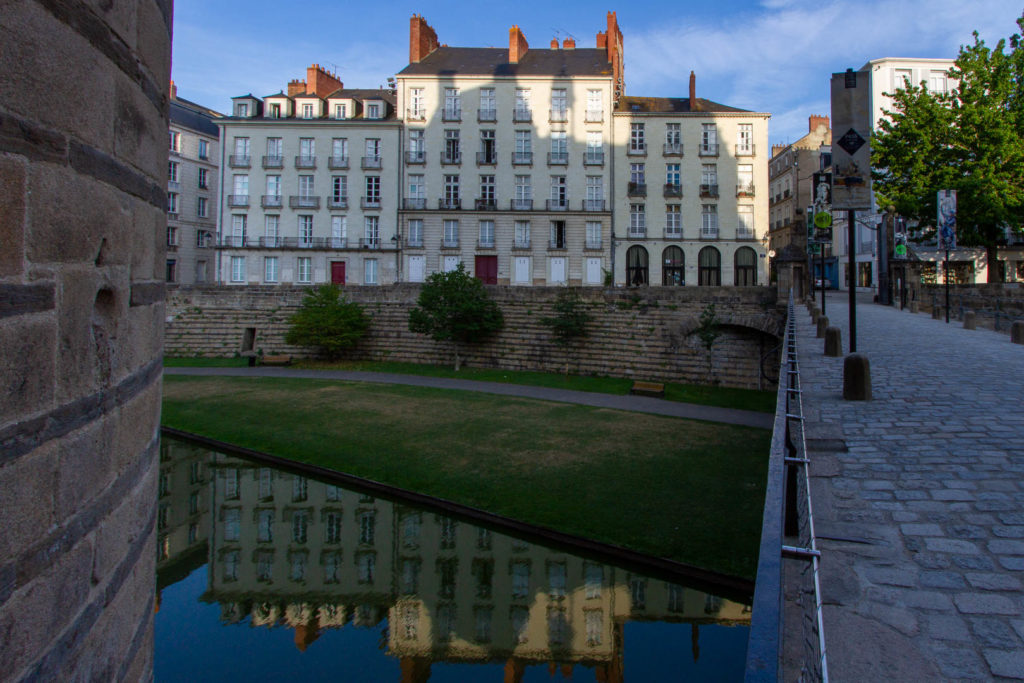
<point x="276" y="360"/>
<point x="654" y="389"/>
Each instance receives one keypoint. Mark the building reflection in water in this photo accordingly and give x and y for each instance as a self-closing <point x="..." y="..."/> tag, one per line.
<point x="284" y="550"/>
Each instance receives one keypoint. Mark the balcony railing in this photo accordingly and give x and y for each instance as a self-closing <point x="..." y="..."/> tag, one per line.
<point x="414" y="203"/>
<point x="785" y="193"/>
<point x="522" y="115"/>
<point x="236" y="241"/>
<point x="271" y="242"/>
<point x="594" y="116"/>
<point x="233" y="241"/>
<point x="305" y="162"/>
<point x="522" y="204"/>
<point x="369" y="202"/>
<point x="707" y="233"/>
<point x="449" y="243"/>
<point x="558" y="158"/>
<point x="559" y="115"/>
<point x="273" y="161"/>
<point x="451" y="114"/>
<point x="487" y="115"/>
<point x="637" y="190"/>
<point x="485" y="205"/>
<point x="745" y="150"/>
<point x="304" y="201"/>
<point x="639" y="149"/>
<point x="521" y="243"/>
<point x="369" y="243"/>
<point x="371" y="163"/>
<point x="673" y="190"/>
<point x="337" y="202"/>
<point x="556" y="204"/>
<point x="416" y="114"/>
<point x="745" y="190"/>
<point x="556" y="244"/>
<point x="337" y="162"/>
<point x="239" y="161"/>
<point x="593" y="158"/>
<point x="416" y="157"/>
<point x="673" y="232"/>
<point x="338" y="242"/>
<point x="593" y="205"/>
<point x="707" y="190"/>
<point x="271" y="201"/>
<point x="485" y="243"/>
<point x="450" y="158"/>
<point x="449" y="204"/>
<point x="173" y="186"/>
<point x="708" y="149"/>
<point x="672" y="149"/>
<point x="522" y="158"/>
<point x="238" y="200"/>
<point x="414" y="242"/>
<point x="744" y="233"/>
<point x="592" y="244"/>
<point x="486" y="158"/>
<point x="637" y="233"/>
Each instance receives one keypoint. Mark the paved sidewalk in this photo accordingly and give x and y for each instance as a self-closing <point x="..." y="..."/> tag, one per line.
<point x="923" y="511"/>
<point x="639" y="404"/>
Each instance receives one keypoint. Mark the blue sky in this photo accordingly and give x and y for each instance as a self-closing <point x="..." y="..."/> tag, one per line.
<point x="763" y="55"/>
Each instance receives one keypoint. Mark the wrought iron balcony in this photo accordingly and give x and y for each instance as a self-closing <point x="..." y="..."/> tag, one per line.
<point x="522" y="205"/>
<point x="371" y="163"/>
<point x="707" y="190"/>
<point x="639" y="149"/>
<point x="709" y="233"/>
<point x="673" y="190"/>
<point x="486" y="158"/>
<point x="745" y="150"/>
<point x="414" y="242"/>
<point x="451" y="158"/>
<point x="271" y="201"/>
<point x="450" y="243"/>
<point x="744" y="233"/>
<point x="556" y="204"/>
<point x="304" y="201"/>
<point x="559" y="115"/>
<point x="522" y="115"/>
<point x="416" y="114"/>
<point x="238" y="200"/>
<point x="451" y="114"/>
<point x="593" y="205"/>
<point x="369" y="202"/>
<point x="745" y="190"/>
<point x="486" y="205"/>
<point x="449" y="204"/>
<point x="673" y="233"/>
<point x="594" y="116"/>
<point x="416" y="157"/>
<point x="414" y="203"/>
<point x="369" y="243"/>
<point x="337" y="202"/>
<point x="637" y="233"/>
<point x="521" y="243"/>
<point x="556" y="244"/>
<point x="485" y="243"/>
<point x="522" y="158"/>
<point x="672" y="149"/>
<point x="592" y="244"/>
<point x="487" y="115"/>
<point x="273" y="161"/>
<point x="239" y="161"/>
<point x="708" y="149"/>
<point x="337" y="163"/>
<point x="305" y="162"/>
<point x="558" y="158"/>
<point x="636" y="190"/>
<point x="593" y="158"/>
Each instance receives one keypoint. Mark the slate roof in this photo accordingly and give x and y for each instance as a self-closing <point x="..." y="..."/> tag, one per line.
<point x="672" y="105"/>
<point x="363" y="94"/>
<point x="493" y="61"/>
<point x="193" y="119"/>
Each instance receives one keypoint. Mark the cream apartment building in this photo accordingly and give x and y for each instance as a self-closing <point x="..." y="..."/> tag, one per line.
<point x="690" y="192"/>
<point x="507" y="158"/>
<point x="310" y="186"/>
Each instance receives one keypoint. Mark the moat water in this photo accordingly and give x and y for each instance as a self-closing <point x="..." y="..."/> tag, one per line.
<point x="266" y="574"/>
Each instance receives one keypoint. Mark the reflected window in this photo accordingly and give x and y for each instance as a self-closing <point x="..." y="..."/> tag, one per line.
<point x="482" y="624"/>
<point x="410" y="576"/>
<point x="230" y="566"/>
<point x="483" y="575"/>
<point x="445" y="622"/>
<point x="712" y="604"/>
<point x="300" y="526"/>
<point x="265" y="526"/>
<point x="447" y="533"/>
<point x="594" y="577"/>
<point x="520" y="618"/>
<point x="675" y="598"/>
<point x="297" y="562"/>
<point x="193" y="503"/>
<point x="265" y="565"/>
<point x="594" y="620"/>
<point x="231" y="484"/>
<point x="483" y="538"/>
<point x="367" y="521"/>
<point x="520" y="579"/>
<point x="446" y="573"/>
<point x="556" y="579"/>
<point x="410" y="621"/>
<point x="558" y="626"/>
<point x="638" y="593"/>
<point x="411" y="529"/>
<point x="333" y="493"/>
<point x="300" y="489"/>
<point x="366" y="564"/>
<point x="162" y="516"/>
<point x="332" y="526"/>
<point x="232" y="524"/>
<point x="332" y="567"/>
<point x="266" y="482"/>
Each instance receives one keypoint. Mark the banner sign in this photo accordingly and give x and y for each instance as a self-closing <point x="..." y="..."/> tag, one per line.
<point x="822" y="188"/>
<point x="946" y="224"/>
<point x="851" y="150"/>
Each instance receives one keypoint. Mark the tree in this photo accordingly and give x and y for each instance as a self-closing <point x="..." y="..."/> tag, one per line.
<point x="569" y="324"/>
<point x="327" y="321"/>
<point x="455" y="307"/>
<point x="708" y="332"/>
<point x="970" y="140"/>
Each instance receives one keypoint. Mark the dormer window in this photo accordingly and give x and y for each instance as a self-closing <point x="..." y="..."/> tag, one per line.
<point x="275" y="111"/>
<point x="373" y="111"/>
<point x="340" y="111"/>
<point x="242" y="109"/>
<point x="307" y="111"/>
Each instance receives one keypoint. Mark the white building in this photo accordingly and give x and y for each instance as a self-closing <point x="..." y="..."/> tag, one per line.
<point x="193" y="169"/>
<point x="310" y="186"/>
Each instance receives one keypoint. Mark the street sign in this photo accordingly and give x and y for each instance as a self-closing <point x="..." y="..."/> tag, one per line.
<point x="947" y="219"/>
<point x="851" y="141"/>
<point x="822" y="220"/>
<point x="901" y="251"/>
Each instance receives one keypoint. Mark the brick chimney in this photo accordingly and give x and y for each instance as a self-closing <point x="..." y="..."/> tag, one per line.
<point x="422" y="39"/>
<point x="517" y="45"/>
<point x="694" y="106"/>
<point x="296" y="87"/>
<point x="321" y="82"/>
<point x="174" y="91"/>
<point x="814" y="121"/>
<point x="554" y="43"/>
<point x="569" y="43"/>
<point x="611" y="41"/>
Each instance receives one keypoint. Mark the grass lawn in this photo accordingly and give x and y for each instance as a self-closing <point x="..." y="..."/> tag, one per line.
<point x="690" y="491"/>
<point x="745" y="399"/>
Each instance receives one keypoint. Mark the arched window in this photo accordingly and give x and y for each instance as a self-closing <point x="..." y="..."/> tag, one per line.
<point x="745" y="267"/>
<point x="636" y="266"/>
<point x="709" y="267"/>
<point x="672" y="274"/>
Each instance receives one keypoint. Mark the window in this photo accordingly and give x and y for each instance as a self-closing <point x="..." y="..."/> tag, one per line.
<point x="522" y="110"/>
<point x="203" y="239"/>
<point x="745" y="179"/>
<point x="709" y="175"/>
<point x="307" y="149"/>
<point x="451" y="233"/>
<point x="709" y="221"/>
<point x="673" y="221"/>
<point x="172" y="202"/>
<point x="559" y="105"/>
<point x="171" y="271"/>
<point x="305" y="231"/>
<point x="307" y="111"/>
<point x="339" y="150"/>
<point x="242" y="148"/>
<point x="487" y="189"/>
<point x="745" y="267"/>
<point x="594" y="106"/>
<point x="636" y="266"/>
<point x="452" y="151"/>
<point x="451" y="190"/>
<point x="270" y="269"/>
<point x="524" y="191"/>
<point x="340" y="110"/>
<point x="370" y="271"/>
<point x="452" y="104"/>
<point x="557" y="235"/>
<point x="672" y="174"/>
<point x="275" y="111"/>
<point x="593" y="234"/>
<point x="488" y="150"/>
<point x="271" y="230"/>
<point x="522" y="234"/>
<point x="488" y="108"/>
<point x="559" y="147"/>
<point x="274" y="150"/>
<point x="637" y="220"/>
<point x="373" y="149"/>
<point x="242" y="109"/>
<point x="745" y="138"/>
<point x="637" y="144"/>
<point x="204" y="183"/>
<point x="305" y="268"/>
<point x="708" y="139"/>
<point x="486" y="233"/>
<point x="595" y="188"/>
<point x="339" y="230"/>
<point x="417" y="110"/>
<point x="172" y="171"/>
<point x="339" y="188"/>
<point x="238" y="269"/>
<point x="558" y="192"/>
<point x="673" y="137"/>
<point x="373" y="111"/>
<point x="595" y="148"/>
<point x="371" y="231"/>
<point x="416" y="145"/>
<point x="175" y="141"/>
<point x="672" y="269"/>
<point x="637" y="174"/>
<point x="709" y="267"/>
<point x="204" y="149"/>
<point x="238" y="229"/>
<point x="417" y="186"/>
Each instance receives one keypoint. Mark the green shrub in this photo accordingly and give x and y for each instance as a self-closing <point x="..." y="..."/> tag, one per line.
<point x="327" y="321"/>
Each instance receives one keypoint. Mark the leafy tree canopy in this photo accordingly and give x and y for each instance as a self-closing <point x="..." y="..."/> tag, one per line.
<point x="570" y="320"/>
<point x="970" y="139"/>
<point x="327" y="321"/>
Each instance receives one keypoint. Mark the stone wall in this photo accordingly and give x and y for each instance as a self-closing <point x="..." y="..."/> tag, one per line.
<point x="643" y="333"/>
<point x="83" y="172"/>
<point x="996" y="305"/>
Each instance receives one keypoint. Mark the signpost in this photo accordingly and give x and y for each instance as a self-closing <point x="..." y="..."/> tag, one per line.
<point x="945" y="228"/>
<point x="822" y="189"/>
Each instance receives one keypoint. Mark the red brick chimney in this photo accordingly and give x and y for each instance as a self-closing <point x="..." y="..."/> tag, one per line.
<point x="296" y="87"/>
<point x="693" y="92"/>
<point x="611" y="41"/>
<point x="422" y="39"/>
<point x="554" y="43"/>
<point x="569" y="43"/>
<point x="517" y="45"/>
<point x="174" y="91"/>
<point x="814" y="121"/>
<point x="321" y="82"/>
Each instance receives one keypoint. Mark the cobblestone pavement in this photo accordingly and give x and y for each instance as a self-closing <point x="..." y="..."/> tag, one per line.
<point x="922" y="513"/>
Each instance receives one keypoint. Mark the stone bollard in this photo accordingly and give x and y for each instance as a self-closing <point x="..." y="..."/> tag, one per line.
<point x="1017" y="332"/>
<point x="970" y="320"/>
<point x="815" y="316"/>
<point x="936" y="312"/>
<point x="913" y="307"/>
<point x="822" y="326"/>
<point x="833" y="342"/>
<point x="856" y="378"/>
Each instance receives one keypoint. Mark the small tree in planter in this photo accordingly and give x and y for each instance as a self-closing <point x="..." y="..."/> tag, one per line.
<point x="328" y="322"/>
<point x="569" y="324"/>
<point x="455" y="307"/>
<point x="708" y="332"/>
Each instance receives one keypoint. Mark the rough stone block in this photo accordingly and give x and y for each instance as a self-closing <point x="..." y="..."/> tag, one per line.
<point x="1006" y="663"/>
<point x="1017" y="332"/>
<point x="140" y="131"/>
<point x="118" y="532"/>
<point x="856" y="378"/>
<point x="86" y="467"/>
<point x="154" y="45"/>
<point x="27" y="365"/>
<point x="822" y="326"/>
<point x="12" y="217"/>
<point x="970" y="320"/>
<point x="26" y="500"/>
<point x="833" y="342"/>
<point x="985" y="603"/>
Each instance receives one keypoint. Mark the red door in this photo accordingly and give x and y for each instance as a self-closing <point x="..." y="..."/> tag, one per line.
<point x="487" y="269"/>
<point x="338" y="272"/>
